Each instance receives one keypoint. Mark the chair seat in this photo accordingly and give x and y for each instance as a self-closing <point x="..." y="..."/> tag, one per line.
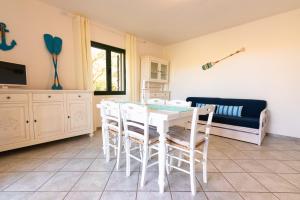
<point x="153" y="134"/>
<point x="181" y="136"/>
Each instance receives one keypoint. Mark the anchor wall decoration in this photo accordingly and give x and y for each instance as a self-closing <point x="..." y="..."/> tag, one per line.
<point x="3" y="45"/>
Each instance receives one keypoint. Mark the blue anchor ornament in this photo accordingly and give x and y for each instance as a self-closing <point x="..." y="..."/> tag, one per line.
<point x="3" y="45"/>
<point x="54" y="46"/>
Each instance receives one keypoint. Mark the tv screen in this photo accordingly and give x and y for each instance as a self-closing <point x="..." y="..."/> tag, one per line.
<point x="12" y="74"/>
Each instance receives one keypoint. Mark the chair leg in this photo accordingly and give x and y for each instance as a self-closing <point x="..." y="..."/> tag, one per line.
<point x="192" y="172"/>
<point x="107" y="149"/>
<point x="141" y="154"/>
<point x="103" y="139"/>
<point x="127" y="149"/>
<point x="150" y="153"/>
<point x="204" y="162"/>
<point x="119" y="150"/>
<point x="179" y="161"/>
<point x="144" y="167"/>
<point x="115" y="143"/>
<point x="167" y="160"/>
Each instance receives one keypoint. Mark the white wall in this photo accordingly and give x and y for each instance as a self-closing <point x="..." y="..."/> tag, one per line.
<point x="269" y="69"/>
<point x="29" y="20"/>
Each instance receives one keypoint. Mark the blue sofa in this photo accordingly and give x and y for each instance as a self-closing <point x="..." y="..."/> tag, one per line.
<point x="249" y="127"/>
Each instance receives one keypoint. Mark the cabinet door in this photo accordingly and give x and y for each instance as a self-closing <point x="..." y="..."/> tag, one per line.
<point x="14" y="123"/>
<point x="154" y="71"/>
<point x="48" y="119"/>
<point x="79" y="116"/>
<point x="164" y="72"/>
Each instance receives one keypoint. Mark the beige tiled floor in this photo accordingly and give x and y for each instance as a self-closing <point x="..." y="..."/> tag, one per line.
<point x="75" y="169"/>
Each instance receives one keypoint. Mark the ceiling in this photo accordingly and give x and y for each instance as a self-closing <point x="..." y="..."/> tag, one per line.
<point x="170" y="21"/>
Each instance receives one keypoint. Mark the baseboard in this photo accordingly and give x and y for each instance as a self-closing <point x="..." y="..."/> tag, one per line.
<point x="282" y="136"/>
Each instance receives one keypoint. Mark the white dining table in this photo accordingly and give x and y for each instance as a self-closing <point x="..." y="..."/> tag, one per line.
<point x="163" y="117"/>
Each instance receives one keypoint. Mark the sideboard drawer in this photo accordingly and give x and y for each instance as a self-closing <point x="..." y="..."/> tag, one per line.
<point x="13" y="97"/>
<point x="48" y="97"/>
<point x="78" y="96"/>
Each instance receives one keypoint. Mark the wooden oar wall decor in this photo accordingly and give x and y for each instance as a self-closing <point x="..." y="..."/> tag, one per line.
<point x="210" y="64"/>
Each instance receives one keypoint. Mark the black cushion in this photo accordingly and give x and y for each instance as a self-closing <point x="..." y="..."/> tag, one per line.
<point x="251" y="108"/>
<point x="249" y="122"/>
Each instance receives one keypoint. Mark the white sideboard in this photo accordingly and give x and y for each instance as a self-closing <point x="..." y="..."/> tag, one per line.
<point x="29" y="117"/>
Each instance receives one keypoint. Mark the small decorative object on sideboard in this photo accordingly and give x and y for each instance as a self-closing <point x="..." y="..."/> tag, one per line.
<point x="3" y="44"/>
<point x="210" y="64"/>
<point x="54" y="46"/>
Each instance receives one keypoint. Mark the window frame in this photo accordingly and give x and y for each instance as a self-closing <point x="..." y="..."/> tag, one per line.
<point x="108" y="50"/>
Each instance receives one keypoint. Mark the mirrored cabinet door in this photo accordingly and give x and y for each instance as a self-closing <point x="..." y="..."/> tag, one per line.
<point x="164" y="72"/>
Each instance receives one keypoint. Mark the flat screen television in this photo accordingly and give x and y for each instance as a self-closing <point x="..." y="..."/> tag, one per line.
<point x="12" y="74"/>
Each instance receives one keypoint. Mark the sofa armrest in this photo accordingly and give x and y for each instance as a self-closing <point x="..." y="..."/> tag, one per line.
<point x="263" y="122"/>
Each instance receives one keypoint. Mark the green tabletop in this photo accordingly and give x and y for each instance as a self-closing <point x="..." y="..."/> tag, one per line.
<point x="168" y="108"/>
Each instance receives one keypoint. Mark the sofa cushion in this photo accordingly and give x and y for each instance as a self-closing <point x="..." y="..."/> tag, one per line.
<point x="249" y="122"/>
<point x="251" y="108"/>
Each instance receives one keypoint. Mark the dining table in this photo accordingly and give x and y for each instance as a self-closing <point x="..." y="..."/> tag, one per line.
<point x="163" y="117"/>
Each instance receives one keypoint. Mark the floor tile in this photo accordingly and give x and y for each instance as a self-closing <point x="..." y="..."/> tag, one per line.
<point x="223" y="196"/>
<point x="216" y="154"/>
<point x="151" y="184"/>
<point x="293" y="164"/>
<point x="259" y="155"/>
<point x="61" y="181"/>
<point x="274" y="183"/>
<point x="227" y="166"/>
<point x="288" y="196"/>
<point x="83" y="196"/>
<point x="258" y="196"/>
<point x="52" y="165"/>
<point x="119" y="182"/>
<point x="25" y="164"/>
<point x="244" y="183"/>
<point x="251" y="166"/>
<point x="292" y="178"/>
<point x="88" y="153"/>
<point x="31" y="181"/>
<point x="48" y="196"/>
<point x="92" y="181"/>
<point x="8" y="178"/>
<point x="276" y="166"/>
<point x="67" y="154"/>
<point x="198" y="167"/>
<point x="215" y="182"/>
<point x="101" y="165"/>
<point x="153" y="195"/>
<point x="188" y="196"/>
<point x="118" y="195"/>
<point x="77" y="165"/>
<point x="235" y="154"/>
<point x="134" y="166"/>
<point x="180" y="181"/>
<point x="15" y="195"/>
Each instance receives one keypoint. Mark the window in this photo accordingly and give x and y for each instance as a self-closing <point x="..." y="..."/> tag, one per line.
<point x="109" y="75"/>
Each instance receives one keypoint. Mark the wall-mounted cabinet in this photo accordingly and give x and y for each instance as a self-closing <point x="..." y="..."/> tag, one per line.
<point x="29" y="117"/>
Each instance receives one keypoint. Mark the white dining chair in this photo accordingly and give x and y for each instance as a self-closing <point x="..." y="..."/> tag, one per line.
<point x="112" y="129"/>
<point x="187" y="140"/>
<point x="180" y="103"/>
<point x="137" y="130"/>
<point x="156" y="101"/>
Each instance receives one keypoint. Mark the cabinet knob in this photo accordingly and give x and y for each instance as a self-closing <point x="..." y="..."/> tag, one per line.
<point x="69" y="117"/>
<point x="79" y="96"/>
<point x="27" y="121"/>
<point x="49" y="96"/>
<point x="35" y="121"/>
<point x="8" y="97"/>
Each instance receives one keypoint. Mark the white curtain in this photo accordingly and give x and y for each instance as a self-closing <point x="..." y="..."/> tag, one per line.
<point x="132" y="66"/>
<point x="82" y="48"/>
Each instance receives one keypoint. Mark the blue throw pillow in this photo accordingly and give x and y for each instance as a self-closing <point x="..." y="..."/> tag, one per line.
<point x="235" y="111"/>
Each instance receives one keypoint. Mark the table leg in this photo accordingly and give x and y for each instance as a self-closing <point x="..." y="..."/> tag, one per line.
<point x="162" y="158"/>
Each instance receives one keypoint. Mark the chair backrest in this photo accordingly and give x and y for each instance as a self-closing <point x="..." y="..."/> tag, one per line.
<point x="180" y="103"/>
<point x="110" y="112"/>
<point x="205" y="110"/>
<point x="135" y="120"/>
<point x="156" y="101"/>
